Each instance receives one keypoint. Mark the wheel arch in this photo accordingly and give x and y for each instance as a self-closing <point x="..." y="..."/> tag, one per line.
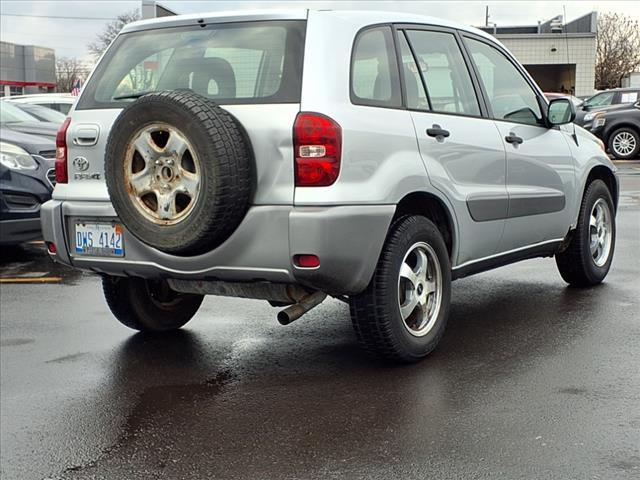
<point x="604" y="173"/>
<point x="435" y="209"/>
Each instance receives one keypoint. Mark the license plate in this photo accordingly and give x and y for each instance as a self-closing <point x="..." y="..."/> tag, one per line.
<point x="99" y="239"/>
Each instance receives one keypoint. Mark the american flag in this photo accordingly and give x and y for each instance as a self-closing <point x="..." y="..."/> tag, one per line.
<point x="77" y="85"/>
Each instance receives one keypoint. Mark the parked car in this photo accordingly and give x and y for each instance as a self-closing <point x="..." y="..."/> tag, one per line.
<point x="11" y="116"/>
<point x="260" y="156"/>
<point x="617" y="97"/>
<point x="27" y="177"/>
<point x="60" y="102"/>
<point x="42" y="114"/>
<point x="619" y="129"/>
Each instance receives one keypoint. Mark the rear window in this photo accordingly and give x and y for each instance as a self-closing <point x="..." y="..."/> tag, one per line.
<point x="249" y="62"/>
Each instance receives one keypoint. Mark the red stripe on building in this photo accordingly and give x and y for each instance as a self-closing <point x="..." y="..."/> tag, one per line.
<point x="26" y="84"/>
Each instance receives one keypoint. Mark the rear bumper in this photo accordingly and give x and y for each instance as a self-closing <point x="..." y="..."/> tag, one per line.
<point x="347" y="239"/>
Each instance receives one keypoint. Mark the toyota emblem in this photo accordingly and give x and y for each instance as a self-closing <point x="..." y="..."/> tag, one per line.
<point x="81" y="164"/>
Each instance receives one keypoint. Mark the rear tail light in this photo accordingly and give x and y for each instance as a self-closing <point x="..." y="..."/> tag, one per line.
<point x="317" y="143"/>
<point x="52" y="248"/>
<point x="62" y="173"/>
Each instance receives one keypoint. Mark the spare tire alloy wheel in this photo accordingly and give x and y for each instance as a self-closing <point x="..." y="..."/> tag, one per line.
<point x="162" y="171"/>
<point x="179" y="171"/>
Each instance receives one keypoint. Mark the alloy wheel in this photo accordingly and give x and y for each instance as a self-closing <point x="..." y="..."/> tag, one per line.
<point x="420" y="289"/>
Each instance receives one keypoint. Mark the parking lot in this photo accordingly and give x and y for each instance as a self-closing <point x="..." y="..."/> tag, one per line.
<point x="532" y="380"/>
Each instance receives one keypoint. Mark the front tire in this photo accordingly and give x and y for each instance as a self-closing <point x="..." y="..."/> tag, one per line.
<point x="402" y="314"/>
<point x="587" y="259"/>
<point x="624" y="143"/>
<point x="148" y="305"/>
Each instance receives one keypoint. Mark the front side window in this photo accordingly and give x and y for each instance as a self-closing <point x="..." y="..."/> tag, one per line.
<point x="374" y="72"/>
<point x="442" y="66"/>
<point x="252" y="62"/>
<point x="509" y="94"/>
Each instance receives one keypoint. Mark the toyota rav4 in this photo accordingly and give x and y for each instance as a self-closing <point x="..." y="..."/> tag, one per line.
<point x="287" y="156"/>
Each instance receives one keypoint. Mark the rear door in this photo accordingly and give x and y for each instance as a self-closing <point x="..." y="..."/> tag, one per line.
<point x="540" y="167"/>
<point x="253" y="69"/>
<point x="461" y="148"/>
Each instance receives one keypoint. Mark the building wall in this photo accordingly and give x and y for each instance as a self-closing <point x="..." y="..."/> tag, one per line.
<point x="27" y="67"/>
<point x="12" y="61"/>
<point x="536" y="50"/>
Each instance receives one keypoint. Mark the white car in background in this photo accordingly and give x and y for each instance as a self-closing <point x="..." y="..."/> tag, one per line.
<point x="61" y="102"/>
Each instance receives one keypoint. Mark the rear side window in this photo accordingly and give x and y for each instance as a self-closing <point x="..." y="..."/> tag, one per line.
<point x="442" y="66"/>
<point x="252" y="62"/>
<point x="374" y="70"/>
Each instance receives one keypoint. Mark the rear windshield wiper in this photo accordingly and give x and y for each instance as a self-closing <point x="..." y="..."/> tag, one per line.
<point x="132" y="95"/>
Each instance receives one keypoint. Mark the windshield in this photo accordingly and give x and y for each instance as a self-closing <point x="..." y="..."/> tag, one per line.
<point x="9" y="113"/>
<point x="252" y="62"/>
<point x="600" y="100"/>
<point x="43" y="114"/>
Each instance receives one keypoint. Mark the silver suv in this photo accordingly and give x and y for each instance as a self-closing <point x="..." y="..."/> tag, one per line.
<point x="373" y="157"/>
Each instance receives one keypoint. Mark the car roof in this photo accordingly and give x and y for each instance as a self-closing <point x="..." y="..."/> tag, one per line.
<point x="619" y="89"/>
<point x="355" y="17"/>
<point x="42" y="96"/>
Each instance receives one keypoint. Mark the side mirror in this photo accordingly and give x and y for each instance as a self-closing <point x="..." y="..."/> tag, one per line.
<point x="560" y="112"/>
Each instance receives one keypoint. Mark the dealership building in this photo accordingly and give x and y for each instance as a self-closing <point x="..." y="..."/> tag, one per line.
<point x="26" y="69"/>
<point x="560" y="57"/>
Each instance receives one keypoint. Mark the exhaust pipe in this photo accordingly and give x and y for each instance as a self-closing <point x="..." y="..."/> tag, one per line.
<point x="295" y="311"/>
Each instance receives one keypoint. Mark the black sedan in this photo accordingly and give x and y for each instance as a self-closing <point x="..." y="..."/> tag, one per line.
<point x="27" y="176"/>
<point x="619" y="128"/>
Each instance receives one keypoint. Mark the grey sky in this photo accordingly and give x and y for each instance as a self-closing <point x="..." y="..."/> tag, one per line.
<point x="69" y="37"/>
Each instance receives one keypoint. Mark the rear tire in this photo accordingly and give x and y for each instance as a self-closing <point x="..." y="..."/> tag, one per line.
<point x="587" y="260"/>
<point x="148" y="305"/>
<point x="384" y="320"/>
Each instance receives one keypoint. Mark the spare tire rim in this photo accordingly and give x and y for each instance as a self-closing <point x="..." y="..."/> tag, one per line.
<point x="420" y="289"/>
<point x="600" y="232"/>
<point x="162" y="174"/>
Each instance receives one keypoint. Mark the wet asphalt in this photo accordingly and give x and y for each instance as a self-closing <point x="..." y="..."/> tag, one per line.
<point x="532" y="380"/>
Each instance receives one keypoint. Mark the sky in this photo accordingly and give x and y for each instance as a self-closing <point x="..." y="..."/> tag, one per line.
<point x="21" y="20"/>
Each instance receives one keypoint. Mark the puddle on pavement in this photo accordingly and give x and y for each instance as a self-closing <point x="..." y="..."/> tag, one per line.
<point x="152" y="403"/>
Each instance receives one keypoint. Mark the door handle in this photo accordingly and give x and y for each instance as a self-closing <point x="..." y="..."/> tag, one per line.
<point x="437" y="131"/>
<point x="513" y="138"/>
<point x="86" y="135"/>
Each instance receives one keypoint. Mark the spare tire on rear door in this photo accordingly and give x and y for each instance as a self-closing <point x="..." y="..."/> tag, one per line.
<point x="179" y="171"/>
